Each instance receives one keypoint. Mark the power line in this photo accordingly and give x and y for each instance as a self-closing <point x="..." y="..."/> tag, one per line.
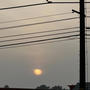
<point x="37" y="41"/>
<point x="88" y="34"/>
<point x="67" y="39"/>
<point x="35" y="17"/>
<point x="88" y="11"/>
<point x="68" y="2"/>
<point x="87" y="16"/>
<point x="23" y="34"/>
<point x="30" y="37"/>
<point x="23" y="6"/>
<point x="52" y="21"/>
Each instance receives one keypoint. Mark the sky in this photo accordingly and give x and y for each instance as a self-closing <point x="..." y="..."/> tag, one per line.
<point x="59" y="60"/>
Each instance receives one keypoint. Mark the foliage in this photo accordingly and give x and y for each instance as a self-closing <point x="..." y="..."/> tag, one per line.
<point x="43" y="87"/>
<point x="57" y="88"/>
<point x="52" y="88"/>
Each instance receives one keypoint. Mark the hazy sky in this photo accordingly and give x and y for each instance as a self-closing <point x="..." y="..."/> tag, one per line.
<point x="59" y="61"/>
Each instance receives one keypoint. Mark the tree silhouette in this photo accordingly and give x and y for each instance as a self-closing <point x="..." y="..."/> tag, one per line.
<point x="6" y="86"/>
<point x="57" y="88"/>
<point x="43" y="87"/>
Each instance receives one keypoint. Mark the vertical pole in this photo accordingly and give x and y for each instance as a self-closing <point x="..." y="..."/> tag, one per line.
<point x="82" y="45"/>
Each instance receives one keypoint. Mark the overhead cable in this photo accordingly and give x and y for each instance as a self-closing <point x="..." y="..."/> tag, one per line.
<point x="46" y="42"/>
<point x="38" y="23"/>
<point x="38" y="4"/>
<point x="37" y="41"/>
<point x="37" y="36"/>
<point x="24" y="34"/>
<point x="57" y="14"/>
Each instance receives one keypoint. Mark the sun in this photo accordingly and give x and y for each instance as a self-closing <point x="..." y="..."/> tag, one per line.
<point x="37" y="72"/>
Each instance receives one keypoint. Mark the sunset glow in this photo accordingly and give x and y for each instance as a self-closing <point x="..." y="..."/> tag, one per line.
<point x="37" y="72"/>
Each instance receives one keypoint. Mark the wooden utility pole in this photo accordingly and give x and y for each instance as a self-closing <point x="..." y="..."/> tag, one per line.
<point x="82" y="46"/>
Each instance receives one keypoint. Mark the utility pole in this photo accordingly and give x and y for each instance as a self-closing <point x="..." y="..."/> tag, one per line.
<point x="82" y="46"/>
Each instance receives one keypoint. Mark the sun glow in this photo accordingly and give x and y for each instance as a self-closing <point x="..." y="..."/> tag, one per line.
<point x="37" y="72"/>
